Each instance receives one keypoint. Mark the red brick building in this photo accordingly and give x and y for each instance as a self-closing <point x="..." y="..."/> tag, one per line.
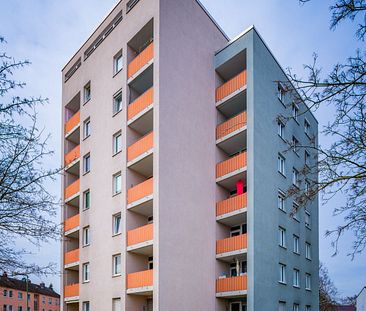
<point x="13" y="296"/>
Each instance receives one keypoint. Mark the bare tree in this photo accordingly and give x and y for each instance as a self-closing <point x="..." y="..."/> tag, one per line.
<point x="327" y="290"/>
<point x="26" y="206"/>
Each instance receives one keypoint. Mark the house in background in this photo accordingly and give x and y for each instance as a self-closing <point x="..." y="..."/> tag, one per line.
<point x="345" y="308"/>
<point x="361" y="300"/>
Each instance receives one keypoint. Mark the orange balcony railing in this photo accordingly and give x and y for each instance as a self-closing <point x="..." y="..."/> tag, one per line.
<point x="72" y="155"/>
<point x="237" y="162"/>
<point x="140" y="103"/>
<point x="140" y="191"/>
<point x="71" y="290"/>
<point x="72" y="222"/>
<point x="231" y="204"/>
<point x="140" y="235"/>
<point x="234" y="243"/>
<point x="231" y="86"/>
<point x="236" y="283"/>
<point x="72" y="256"/>
<point x="72" y="122"/>
<point x="231" y="125"/>
<point x="72" y="189"/>
<point x="141" y="146"/>
<point x="140" y="279"/>
<point x="141" y="60"/>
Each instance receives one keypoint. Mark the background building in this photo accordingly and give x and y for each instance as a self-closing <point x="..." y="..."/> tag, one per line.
<point x="177" y="162"/>
<point x="361" y="300"/>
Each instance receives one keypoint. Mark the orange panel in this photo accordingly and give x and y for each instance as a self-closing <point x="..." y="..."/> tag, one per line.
<point x="140" y="103"/>
<point x="231" y="284"/>
<point x="142" y="145"/>
<point x="140" y="191"/>
<point x="231" y="125"/>
<point x="71" y="290"/>
<point x="141" y="60"/>
<point x="72" y="256"/>
<point x="231" y="164"/>
<point x="72" y="189"/>
<point x="72" y="222"/>
<point x="231" y="204"/>
<point x="72" y="155"/>
<point x="234" y="243"/>
<point x="231" y="86"/>
<point x="140" y="235"/>
<point x="72" y="122"/>
<point x="140" y="279"/>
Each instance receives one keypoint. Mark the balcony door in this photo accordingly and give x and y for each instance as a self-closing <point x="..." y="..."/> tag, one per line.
<point x="238" y="306"/>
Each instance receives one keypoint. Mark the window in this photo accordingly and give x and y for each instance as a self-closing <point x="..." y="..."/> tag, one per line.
<point x="10" y="308"/>
<point x="307" y="281"/>
<point x="296" y="278"/>
<point x="118" y="62"/>
<point x="5" y="308"/>
<point x="281" y="201"/>
<point x="308" y="308"/>
<point x="307" y="188"/>
<point x="117" y="183"/>
<point x="295" y="211"/>
<point x="282" y="306"/>
<point x="296" y="307"/>
<point x="307" y="127"/>
<point x="29" y="297"/>
<point x="87" y="92"/>
<point x="86" y="128"/>
<point x="282" y="273"/>
<point x="307" y="219"/>
<point x="86" y="199"/>
<point x="50" y="301"/>
<point x="43" y="299"/>
<point x="86" y="236"/>
<point x="116" y="224"/>
<point x="296" y="244"/>
<point x="10" y="293"/>
<point x="295" y="177"/>
<point x="280" y="92"/>
<point x="295" y="145"/>
<point x="86" y="272"/>
<point x="117" y="102"/>
<point x="116" y="304"/>
<point x="308" y="250"/>
<point x="281" y="164"/>
<point x="20" y="308"/>
<point x="5" y="293"/>
<point x="150" y="263"/>
<point x="86" y="161"/>
<point x="282" y="237"/>
<point x="86" y="306"/>
<point x="295" y="112"/>
<point x="20" y="295"/>
<point x="116" y="264"/>
<point x="117" y="142"/>
<point x="306" y="157"/>
<point x="281" y="129"/>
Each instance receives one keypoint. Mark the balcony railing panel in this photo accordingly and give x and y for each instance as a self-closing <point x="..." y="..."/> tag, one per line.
<point x="72" y="189"/>
<point x="140" y="103"/>
<point x="231" y="204"/>
<point x="72" y="122"/>
<point x="231" y="125"/>
<point x="71" y="290"/>
<point x="141" y="146"/>
<point x="140" y="191"/>
<point x="140" y="235"/>
<point x="237" y="162"/>
<point x="72" y="256"/>
<point x="231" y="86"/>
<point x="72" y="155"/>
<point x="232" y="284"/>
<point x="140" y="279"/>
<point x="72" y="222"/>
<point x="234" y="243"/>
<point x="141" y="60"/>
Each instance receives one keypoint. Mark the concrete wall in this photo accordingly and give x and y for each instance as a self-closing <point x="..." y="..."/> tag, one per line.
<point x="361" y="300"/>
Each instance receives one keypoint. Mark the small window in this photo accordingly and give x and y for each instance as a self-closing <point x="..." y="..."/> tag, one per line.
<point x="86" y="272"/>
<point x="116" y="224"/>
<point x="295" y="112"/>
<point x="280" y="92"/>
<point x="281" y="201"/>
<point x="295" y="145"/>
<point x="296" y="307"/>
<point x="5" y="293"/>
<point x="281" y="164"/>
<point x="86" y="162"/>
<point x="5" y="307"/>
<point x="282" y="306"/>
<point x="86" y="306"/>
<point x="86" y="236"/>
<point x="117" y="183"/>
<point x="295" y="177"/>
<point x="117" y="62"/>
<point x="50" y="301"/>
<point x="307" y="127"/>
<point x="116" y="264"/>
<point x="116" y="304"/>
<point x="282" y="273"/>
<point x="308" y="308"/>
<point x="10" y="293"/>
<point x="307" y="281"/>
<point x="117" y="143"/>
<point x="307" y="219"/>
<point x="306" y="158"/>
<point x="20" y="295"/>
<point x="295" y="211"/>
<point x="87" y="92"/>
<point x="86" y="128"/>
<point x="307" y="188"/>
<point x="281" y="129"/>
<point x="150" y="264"/>
<point x="86" y="199"/>
<point x="296" y="244"/>
<point x="282" y="237"/>
<point x="117" y="102"/>
<point x="296" y="278"/>
<point x="308" y="250"/>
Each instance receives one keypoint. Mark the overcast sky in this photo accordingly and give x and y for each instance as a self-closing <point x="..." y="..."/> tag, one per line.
<point x="48" y="32"/>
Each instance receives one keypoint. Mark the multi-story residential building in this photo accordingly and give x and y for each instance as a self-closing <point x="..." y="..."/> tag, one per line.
<point x="177" y="166"/>
<point x="14" y="294"/>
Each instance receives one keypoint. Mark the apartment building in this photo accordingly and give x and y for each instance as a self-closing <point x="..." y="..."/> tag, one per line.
<point x="23" y="295"/>
<point x="177" y="165"/>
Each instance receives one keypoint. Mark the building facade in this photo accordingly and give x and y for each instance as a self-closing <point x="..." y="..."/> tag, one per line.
<point x="361" y="300"/>
<point x="177" y="164"/>
<point x="14" y="292"/>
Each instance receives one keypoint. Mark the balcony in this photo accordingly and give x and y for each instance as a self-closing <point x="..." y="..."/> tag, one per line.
<point x="72" y="159"/>
<point x="140" y="155"/>
<point x="230" y="248"/>
<point x="72" y="191"/>
<point x="72" y="226"/>
<point x="231" y="134"/>
<point x="229" y="171"/>
<point x="140" y="112"/>
<point x="71" y="293"/>
<point x="72" y="128"/>
<point x="71" y="259"/>
<point x="141" y="62"/>
<point x="231" y="211"/>
<point x="140" y="240"/>
<point x="140" y="198"/>
<point x="140" y="283"/>
<point x="231" y="287"/>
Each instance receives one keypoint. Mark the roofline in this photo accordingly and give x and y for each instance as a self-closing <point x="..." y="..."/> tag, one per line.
<point x="235" y="38"/>
<point x="361" y="291"/>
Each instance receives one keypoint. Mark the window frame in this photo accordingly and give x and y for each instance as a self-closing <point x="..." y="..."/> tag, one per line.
<point x="117" y="95"/>
<point x="86" y="236"/>
<point x="282" y="278"/>
<point x="86" y="163"/>
<point x="86" y="93"/>
<point x="116" y="57"/>
<point x="86" y="199"/>
<point x="86" y="128"/>
<point x="308" y="281"/>
<point x="295" y="178"/>
<point x="281" y="164"/>
<point x="282" y="237"/>
<point x="295" y="112"/>
<point x="117" y="135"/>
<point x="308" y="250"/>
<point x="296" y="278"/>
<point x="281" y="198"/>
<point x="86" y="272"/>
<point x="115" y="265"/>
<point x="117" y="181"/>
<point x="281" y="129"/>
<point x="114" y="219"/>
<point x="296" y="244"/>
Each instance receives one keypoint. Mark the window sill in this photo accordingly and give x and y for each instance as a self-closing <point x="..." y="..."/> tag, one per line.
<point x="282" y="210"/>
<point x="86" y="137"/>
<point x="283" y="175"/>
<point x="85" y="282"/>
<point x="296" y="219"/>
<point x="117" y="72"/>
<point x="85" y="173"/>
<point x="282" y="138"/>
<point x="117" y="193"/>
<point x="116" y="112"/>
<point x="283" y="247"/>
<point x="116" y="275"/>
<point x="281" y="101"/>
<point x="117" y="153"/>
<point x="86" y="245"/>
<point x="308" y="289"/>
<point x="296" y="253"/>
<point x="116" y="234"/>
<point x="295" y="286"/>
<point x="283" y="283"/>
<point x="85" y="102"/>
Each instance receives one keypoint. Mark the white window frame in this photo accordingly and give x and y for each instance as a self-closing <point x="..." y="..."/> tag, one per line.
<point x="281" y="92"/>
<point x="86" y="272"/>
<point x="296" y="244"/>
<point x="281" y="201"/>
<point x="282" y="271"/>
<point x="117" y="183"/>
<point x="87" y="92"/>
<point x="295" y="208"/>
<point x="86" y="236"/>
<point x="281" y="129"/>
<point x="116" y="304"/>
<point x="307" y="219"/>
<point x="282" y="237"/>
<point x="117" y="102"/>
<point x="118" y="57"/>
<point x="295" y="145"/>
<point x="115" y="217"/>
<point x="282" y="306"/>
<point x="86" y="306"/>
<point x="86" y="194"/>
<point x="296" y="307"/>
<point x="295" y="112"/>
<point x="307" y="308"/>
<point x="117" y="142"/>
<point x="307" y="281"/>
<point x="296" y="278"/>
<point x="86" y="128"/>
<point x="308" y="250"/>
<point x="281" y="164"/>
<point x="86" y="163"/>
<point x="116" y="265"/>
<point x="307" y="127"/>
<point x="295" y="177"/>
<point x="306" y="157"/>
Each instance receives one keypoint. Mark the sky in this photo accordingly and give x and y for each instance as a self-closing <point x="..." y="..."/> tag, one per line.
<point x="49" y="32"/>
